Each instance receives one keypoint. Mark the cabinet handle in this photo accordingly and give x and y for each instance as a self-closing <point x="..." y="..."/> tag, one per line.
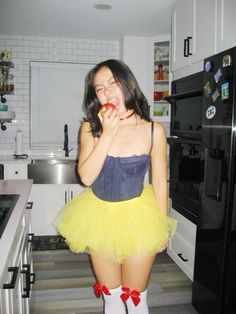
<point x="181" y="257"/>
<point x="11" y="285"/>
<point x="185" y="47"/>
<point x="30" y="237"/>
<point x="188" y="45"/>
<point x="65" y="197"/>
<point x="27" y="280"/>
<point x="29" y="205"/>
<point x="71" y="195"/>
<point x="33" y="275"/>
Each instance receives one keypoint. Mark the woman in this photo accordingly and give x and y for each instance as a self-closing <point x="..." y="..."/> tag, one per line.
<point x="119" y="221"/>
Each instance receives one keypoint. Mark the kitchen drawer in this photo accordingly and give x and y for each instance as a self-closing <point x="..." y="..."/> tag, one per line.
<point x="185" y="228"/>
<point x="15" y="171"/>
<point x="182" y="254"/>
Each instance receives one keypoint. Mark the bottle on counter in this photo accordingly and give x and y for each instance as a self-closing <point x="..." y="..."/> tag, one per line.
<point x="160" y="75"/>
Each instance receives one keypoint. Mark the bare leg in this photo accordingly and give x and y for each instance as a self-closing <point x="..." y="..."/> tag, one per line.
<point x="108" y="274"/>
<point x="136" y="271"/>
<point x="135" y="275"/>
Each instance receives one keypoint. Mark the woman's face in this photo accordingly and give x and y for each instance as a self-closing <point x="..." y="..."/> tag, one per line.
<point x="108" y="89"/>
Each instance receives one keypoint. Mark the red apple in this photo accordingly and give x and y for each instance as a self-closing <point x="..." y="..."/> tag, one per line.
<point x="105" y="107"/>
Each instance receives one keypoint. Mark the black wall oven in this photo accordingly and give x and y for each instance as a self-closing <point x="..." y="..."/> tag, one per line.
<point x="186" y="106"/>
<point x="186" y="162"/>
<point x="186" y="174"/>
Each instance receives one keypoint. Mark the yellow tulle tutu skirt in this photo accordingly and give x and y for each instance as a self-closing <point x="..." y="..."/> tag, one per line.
<point x="115" y="229"/>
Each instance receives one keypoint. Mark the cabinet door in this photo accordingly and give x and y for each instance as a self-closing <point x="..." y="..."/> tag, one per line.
<point x="11" y="294"/>
<point x="73" y="190"/>
<point x="182" y="246"/>
<point x="204" y="35"/>
<point x="48" y="199"/>
<point x="226" y="24"/>
<point x="182" y="28"/>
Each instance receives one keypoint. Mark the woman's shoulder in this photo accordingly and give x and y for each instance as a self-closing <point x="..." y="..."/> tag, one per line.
<point x="85" y="127"/>
<point x="157" y="126"/>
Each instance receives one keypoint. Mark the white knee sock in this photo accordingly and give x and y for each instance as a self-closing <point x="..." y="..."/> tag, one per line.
<point x="141" y="308"/>
<point x="113" y="303"/>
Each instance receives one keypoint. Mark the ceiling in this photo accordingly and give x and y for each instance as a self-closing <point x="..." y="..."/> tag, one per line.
<point x="80" y="19"/>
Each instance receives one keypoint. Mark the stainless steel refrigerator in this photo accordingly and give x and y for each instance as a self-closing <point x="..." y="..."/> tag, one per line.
<point x="214" y="285"/>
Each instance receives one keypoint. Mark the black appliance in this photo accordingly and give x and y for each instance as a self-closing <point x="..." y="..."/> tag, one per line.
<point x="7" y="204"/>
<point x="214" y="285"/>
<point x="186" y="174"/>
<point x="186" y="101"/>
<point x="185" y="144"/>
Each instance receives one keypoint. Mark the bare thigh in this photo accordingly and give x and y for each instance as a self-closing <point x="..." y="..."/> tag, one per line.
<point x="136" y="271"/>
<point x="107" y="272"/>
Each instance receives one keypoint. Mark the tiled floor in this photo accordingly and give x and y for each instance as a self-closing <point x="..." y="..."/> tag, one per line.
<point x="64" y="280"/>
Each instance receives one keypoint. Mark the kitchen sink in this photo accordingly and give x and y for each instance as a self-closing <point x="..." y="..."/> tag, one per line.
<point x="53" y="171"/>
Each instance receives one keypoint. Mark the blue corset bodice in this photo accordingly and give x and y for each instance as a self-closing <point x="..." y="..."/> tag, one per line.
<point x="121" y="178"/>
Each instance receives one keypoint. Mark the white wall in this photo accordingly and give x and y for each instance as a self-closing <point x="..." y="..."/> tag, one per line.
<point x="26" y="49"/>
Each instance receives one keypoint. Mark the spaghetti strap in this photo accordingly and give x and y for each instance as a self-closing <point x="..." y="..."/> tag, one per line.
<point x="152" y="135"/>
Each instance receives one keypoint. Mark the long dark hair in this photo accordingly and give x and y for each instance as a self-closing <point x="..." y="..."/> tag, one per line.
<point x="134" y="98"/>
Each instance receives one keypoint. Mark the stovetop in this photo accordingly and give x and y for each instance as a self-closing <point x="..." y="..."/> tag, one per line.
<point x="7" y="204"/>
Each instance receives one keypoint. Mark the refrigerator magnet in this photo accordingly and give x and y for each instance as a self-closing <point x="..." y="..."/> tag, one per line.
<point x="208" y="66"/>
<point x="218" y="75"/>
<point x="215" y="95"/>
<point x="210" y="112"/>
<point x="207" y="89"/>
<point x="226" y="62"/>
<point x="225" y="90"/>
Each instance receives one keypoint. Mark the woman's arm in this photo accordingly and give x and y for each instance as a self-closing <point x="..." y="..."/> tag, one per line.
<point x="93" y="153"/>
<point x="159" y="167"/>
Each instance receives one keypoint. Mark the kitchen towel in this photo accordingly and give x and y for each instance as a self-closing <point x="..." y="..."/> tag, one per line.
<point x="19" y="143"/>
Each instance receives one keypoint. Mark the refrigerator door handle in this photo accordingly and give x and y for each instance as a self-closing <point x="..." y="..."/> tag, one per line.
<point x="214" y="167"/>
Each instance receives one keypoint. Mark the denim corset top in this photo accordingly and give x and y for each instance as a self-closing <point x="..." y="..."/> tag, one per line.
<point x="121" y="178"/>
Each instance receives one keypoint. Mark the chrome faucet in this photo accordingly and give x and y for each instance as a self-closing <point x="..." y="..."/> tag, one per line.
<point x="66" y="141"/>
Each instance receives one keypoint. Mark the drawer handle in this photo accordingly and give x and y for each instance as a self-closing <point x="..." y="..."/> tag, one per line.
<point x="26" y="272"/>
<point x="30" y="237"/>
<point x="11" y="285"/>
<point x="181" y="257"/>
<point x="29" y="205"/>
<point x="33" y="276"/>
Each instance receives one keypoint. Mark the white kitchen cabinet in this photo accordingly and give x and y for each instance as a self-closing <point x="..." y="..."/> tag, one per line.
<point x="48" y="200"/>
<point x="226" y="24"/>
<point x="193" y="31"/>
<point x="182" y="246"/>
<point x="17" y="277"/>
<point x="15" y="171"/>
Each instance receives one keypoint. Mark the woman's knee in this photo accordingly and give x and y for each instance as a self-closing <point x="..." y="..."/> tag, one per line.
<point x="106" y="272"/>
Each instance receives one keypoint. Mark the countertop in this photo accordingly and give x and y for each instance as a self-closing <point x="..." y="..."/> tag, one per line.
<point x="23" y="188"/>
<point x="8" y="157"/>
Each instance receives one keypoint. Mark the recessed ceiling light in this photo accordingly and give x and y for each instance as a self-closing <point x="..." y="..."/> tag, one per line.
<point x="102" y="6"/>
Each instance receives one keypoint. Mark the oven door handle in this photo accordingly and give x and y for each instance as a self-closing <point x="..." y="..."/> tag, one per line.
<point x="191" y="93"/>
<point x="175" y="139"/>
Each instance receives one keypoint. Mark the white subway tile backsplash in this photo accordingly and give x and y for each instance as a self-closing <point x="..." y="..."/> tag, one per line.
<point x="38" y="48"/>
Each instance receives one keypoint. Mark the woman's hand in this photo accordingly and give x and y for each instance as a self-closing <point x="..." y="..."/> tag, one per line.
<point x="110" y="121"/>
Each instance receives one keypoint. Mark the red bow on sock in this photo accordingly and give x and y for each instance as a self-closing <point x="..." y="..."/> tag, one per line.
<point x="133" y="294"/>
<point x="98" y="289"/>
